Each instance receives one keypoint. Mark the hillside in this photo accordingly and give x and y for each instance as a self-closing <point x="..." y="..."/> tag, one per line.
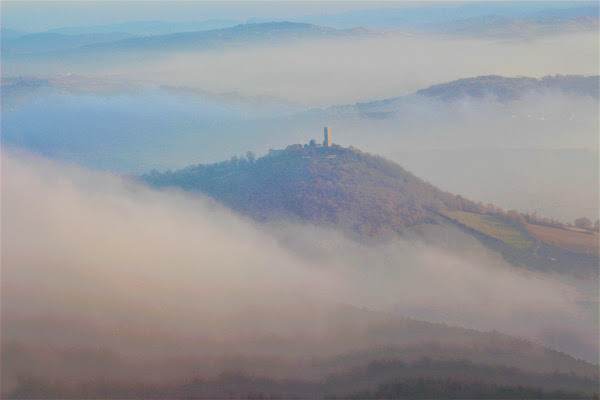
<point x="492" y="88"/>
<point x="370" y="197"/>
<point x="506" y="89"/>
<point x="531" y="245"/>
<point x="235" y="36"/>
<point x="363" y="350"/>
<point x="213" y="39"/>
<point x="149" y="28"/>
<point x="569" y="21"/>
<point x="50" y="42"/>
<point x="466" y="19"/>
<point x="335" y="186"/>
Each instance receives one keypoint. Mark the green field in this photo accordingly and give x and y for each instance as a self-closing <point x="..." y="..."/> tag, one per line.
<point x="494" y="227"/>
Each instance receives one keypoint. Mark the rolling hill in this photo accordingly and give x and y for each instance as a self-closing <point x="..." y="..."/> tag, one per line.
<point x="371" y="198"/>
<point x="472" y="19"/>
<point x="93" y="44"/>
<point x="148" y="28"/>
<point x="492" y="88"/>
<point x="337" y="187"/>
<point x="495" y="26"/>
<point x="239" y="35"/>
<point x="363" y="351"/>
<point x="55" y="42"/>
<point x="506" y="89"/>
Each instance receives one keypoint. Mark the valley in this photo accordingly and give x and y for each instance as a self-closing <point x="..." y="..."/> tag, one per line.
<point x="300" y="200"/>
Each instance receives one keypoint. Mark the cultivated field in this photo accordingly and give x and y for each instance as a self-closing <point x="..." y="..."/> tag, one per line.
<point x="578" y="241"/>
<point x="493" y="227"/>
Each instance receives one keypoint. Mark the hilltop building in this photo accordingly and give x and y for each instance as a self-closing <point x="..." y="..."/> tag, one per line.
<point x="312" y="144"/>
<point x="327" y="137"/>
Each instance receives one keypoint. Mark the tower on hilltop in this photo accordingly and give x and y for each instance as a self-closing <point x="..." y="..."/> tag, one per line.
<point x="327" y="137"/>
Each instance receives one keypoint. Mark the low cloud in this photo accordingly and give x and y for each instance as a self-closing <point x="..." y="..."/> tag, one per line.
<point x="318" y="73"/>
<point x="152" y="129"/>
<point x="93" y="260"/>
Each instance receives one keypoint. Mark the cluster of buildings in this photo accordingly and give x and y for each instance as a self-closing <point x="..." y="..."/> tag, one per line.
<point x="313" y="143"/>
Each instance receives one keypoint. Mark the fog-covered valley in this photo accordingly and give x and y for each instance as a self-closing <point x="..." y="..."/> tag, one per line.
<point x="485" y="146"/>
<point x="150" y="276"/>
<point x="157" y="108"/>
<point x="127" y="263"/>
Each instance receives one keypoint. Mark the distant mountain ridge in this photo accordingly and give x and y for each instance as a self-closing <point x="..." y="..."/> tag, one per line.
<point x="499" y="26"/>
<point x="520" y="18"/>
<point x="507" y="88"/>
<point x="416" y="18"/>
<point x="52" y="42"/>
<point x="489" y="87"/>
<point x="236" y="36"/>
<point x="149" y="28"/>
<point x="472" y="20"/>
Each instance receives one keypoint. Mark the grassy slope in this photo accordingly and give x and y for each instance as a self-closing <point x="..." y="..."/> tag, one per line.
<point x="494" y="227"/>
<point x="535" y="246"/>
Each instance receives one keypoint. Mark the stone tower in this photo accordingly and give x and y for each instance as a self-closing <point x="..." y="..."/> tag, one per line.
<point x="327" y="137"/>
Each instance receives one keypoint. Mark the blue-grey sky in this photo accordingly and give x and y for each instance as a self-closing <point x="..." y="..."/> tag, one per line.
<point x="43" y="15"/>
<point x="37" y="16"/>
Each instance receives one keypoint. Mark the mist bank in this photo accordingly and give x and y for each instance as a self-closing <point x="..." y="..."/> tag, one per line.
<point x="46" y="120"/>
<point x="540" y="148"/>
<point x="94" y="261"/>
<point x="316" y="72"/>
<point x="531" y="180"/>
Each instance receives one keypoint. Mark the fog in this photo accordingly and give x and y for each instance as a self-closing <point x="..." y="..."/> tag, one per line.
<point x="530" y="154"/>
<point x="125" y="132"/>
<point x="104" y="278"/>
<point x="562" y="183"/>
<point x="93" y="260"/>
<point x="249" y="96"/>
<point x="317" y="72"/>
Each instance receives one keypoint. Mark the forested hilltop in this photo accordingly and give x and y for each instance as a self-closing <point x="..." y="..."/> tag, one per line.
<point x="370" y="197"/>
<point x="334" y="186"/>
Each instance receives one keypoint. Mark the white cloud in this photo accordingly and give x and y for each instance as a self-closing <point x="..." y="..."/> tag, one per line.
<point x="103" y="254"/>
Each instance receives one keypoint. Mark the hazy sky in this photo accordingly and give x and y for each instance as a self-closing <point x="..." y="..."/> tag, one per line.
<point x="43" y="15"/>
<point x="37" y="16"/>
